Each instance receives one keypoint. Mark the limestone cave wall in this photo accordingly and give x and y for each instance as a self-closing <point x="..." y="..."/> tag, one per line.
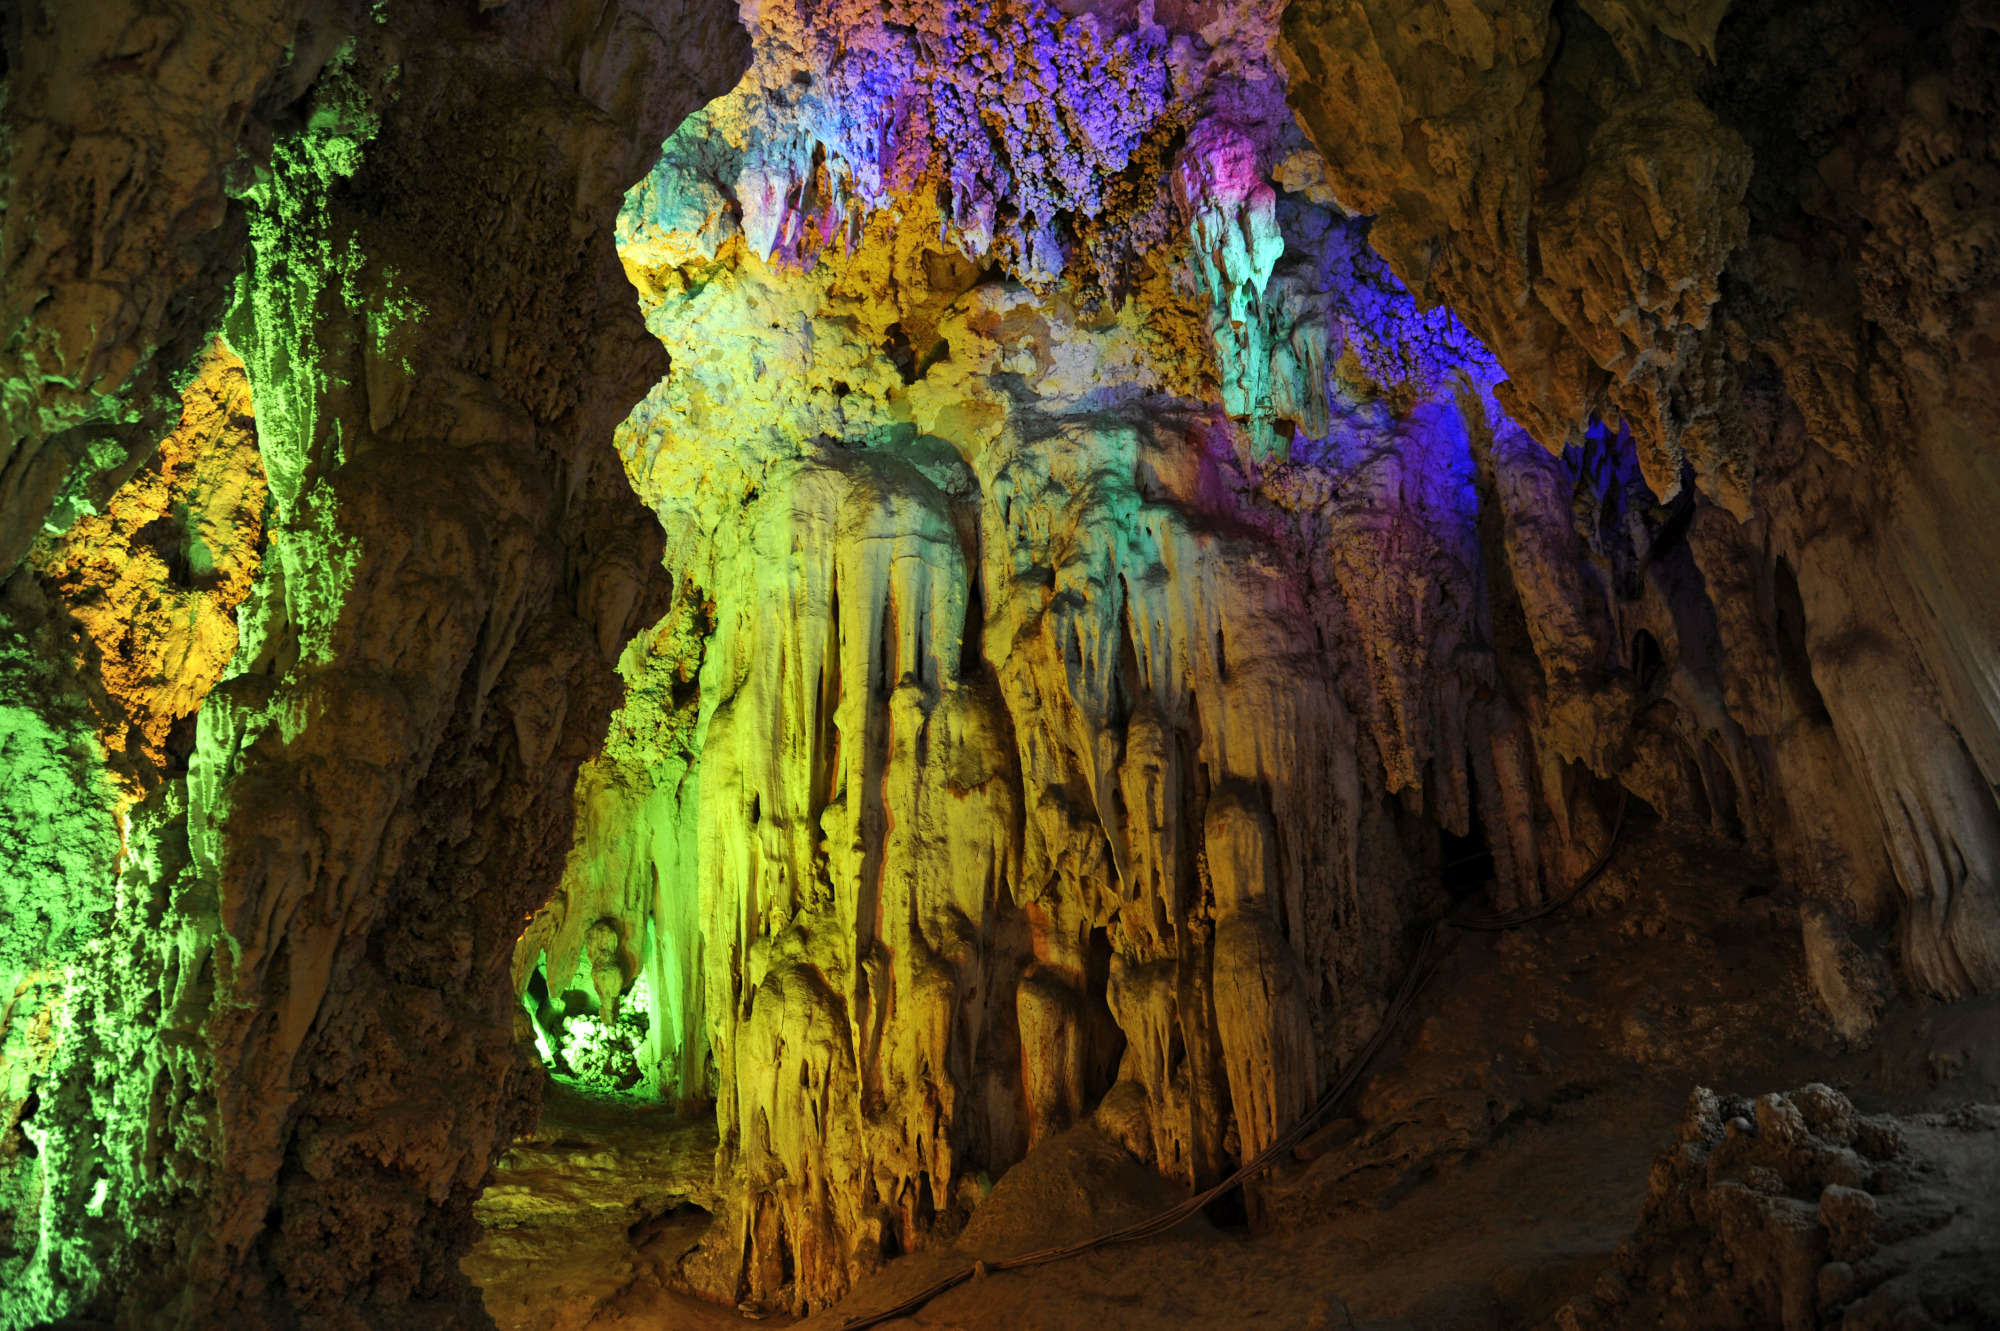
<point x="1114" y="597"/>
<point x="908" y="575"/>
<point x="1759" y="237"/>
<point x="260" y="1049"/>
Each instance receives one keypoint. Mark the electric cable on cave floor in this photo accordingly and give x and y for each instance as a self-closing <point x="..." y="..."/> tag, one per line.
<point x="1429" y="953"/>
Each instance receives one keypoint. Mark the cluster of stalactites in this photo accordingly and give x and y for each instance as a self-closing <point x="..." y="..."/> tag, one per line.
<point x="911" y="828"/>
<point x="856" y="839"/>
<point x="1028" y="781"/>
<point x="1018" y="115"/>
<point x="1161" y="671"/>
<point x="1022" y="121"/>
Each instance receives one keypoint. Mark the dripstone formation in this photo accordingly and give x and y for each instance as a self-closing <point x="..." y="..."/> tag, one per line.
<point x="259" y="1044"/>
<point x="899" y="582"/>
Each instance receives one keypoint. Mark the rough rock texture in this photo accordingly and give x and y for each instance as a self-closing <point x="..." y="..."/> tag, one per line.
<point x="602" y="1193"/>
<point x="127" y="132"/>
<point x="153" y="583"/>
<point x="1096" y="602"/>
<point x="1497" y="1154"/>
<point x="283" y="1058"/>
<point x="1089" y="578"/>
<point x="1794" y="1210"/>
<point x="1759" y="237"/>
<point x="1022" y="765"/>
<point x="1522" y="1023"/>
<point x="1556" y="180"/>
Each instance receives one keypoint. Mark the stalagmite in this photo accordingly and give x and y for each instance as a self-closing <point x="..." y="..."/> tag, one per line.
<point x="928" y="618"/>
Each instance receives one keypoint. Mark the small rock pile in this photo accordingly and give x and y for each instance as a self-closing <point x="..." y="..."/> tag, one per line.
<point x="1796" y="1210"/>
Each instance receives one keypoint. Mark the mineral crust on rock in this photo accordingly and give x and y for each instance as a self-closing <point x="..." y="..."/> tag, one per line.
<point x="258" y="1045"/>
<point x="1100" y="581"/>
<point x="1794" y="1210"/>
<point x="1758" y="236"/>
<point x="905" y="584"/>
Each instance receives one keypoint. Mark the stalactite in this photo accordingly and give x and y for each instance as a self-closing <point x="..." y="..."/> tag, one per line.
<point x="1215" y="630"/>
<point x="1128" y="513"/>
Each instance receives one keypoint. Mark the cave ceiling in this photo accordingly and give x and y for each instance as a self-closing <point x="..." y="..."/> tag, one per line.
<point x="898" y="580"/>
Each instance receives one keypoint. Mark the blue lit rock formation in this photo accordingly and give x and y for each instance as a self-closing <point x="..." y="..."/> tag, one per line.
<point x="897" y="578"/>
<point x="1096" y="576"/>
<point x="1829" y="406"/>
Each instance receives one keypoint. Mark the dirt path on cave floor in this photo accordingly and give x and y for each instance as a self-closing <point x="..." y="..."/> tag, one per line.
<point x="1498" y="1241"/>
<point x="1498" y="1155"/>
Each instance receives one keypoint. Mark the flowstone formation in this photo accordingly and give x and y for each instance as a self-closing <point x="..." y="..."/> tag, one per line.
<point x="908" y="582"/>
<point x="1104" y="599"/>
<point x="1761" y="237"/>
<point x="294" y="696"/>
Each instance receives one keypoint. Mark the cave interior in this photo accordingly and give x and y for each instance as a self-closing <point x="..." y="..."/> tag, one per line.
<point x="664" y="664"/>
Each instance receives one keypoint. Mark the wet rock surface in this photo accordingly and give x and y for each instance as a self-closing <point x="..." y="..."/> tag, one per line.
<point x="601" y="1196"/>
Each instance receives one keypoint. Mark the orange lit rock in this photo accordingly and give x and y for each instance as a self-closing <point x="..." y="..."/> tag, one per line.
<point x="154" y="581"/>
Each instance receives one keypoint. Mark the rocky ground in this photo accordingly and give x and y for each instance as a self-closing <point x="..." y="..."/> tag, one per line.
<point x="1490" y="1169"/>
<point x="579" y="1206"/>
<point x="974" y="557"/>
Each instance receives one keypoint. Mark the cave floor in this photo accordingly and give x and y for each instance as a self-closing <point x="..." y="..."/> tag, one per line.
<point x="1497" y="1155"/>
<point x="577" y="1204"/>
<point x="1501" y="1240"/>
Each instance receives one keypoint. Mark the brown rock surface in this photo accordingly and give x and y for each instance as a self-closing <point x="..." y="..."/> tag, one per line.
<point x="601" y="1195"/>
<point x="1681" y="218"/>
<point x="130" y="131"/>
<point x="1793" y="1209"/>
<point x="975" y="681"/>
<point x="302" y="985"/>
